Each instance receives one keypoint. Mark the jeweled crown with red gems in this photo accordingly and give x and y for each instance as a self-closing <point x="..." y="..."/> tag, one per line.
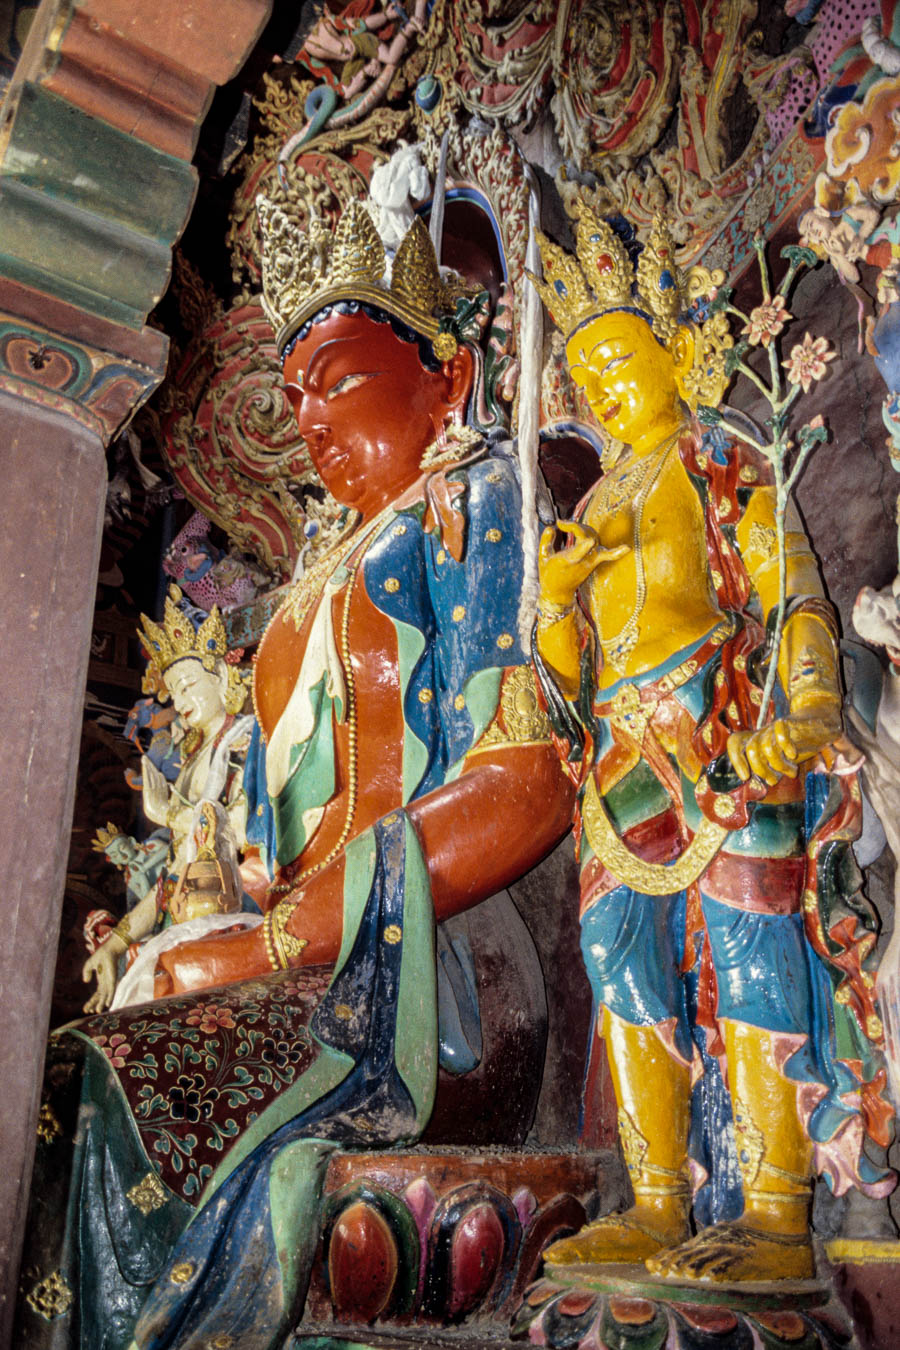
<point x="176" y="639"/>
<point x="601" y="276"/>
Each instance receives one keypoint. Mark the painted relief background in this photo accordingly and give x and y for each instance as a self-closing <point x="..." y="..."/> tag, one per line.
<point x="737" y="120"/>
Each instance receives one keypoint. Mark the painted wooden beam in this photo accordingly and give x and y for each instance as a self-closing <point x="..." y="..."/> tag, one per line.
<point x="97" y="129"/>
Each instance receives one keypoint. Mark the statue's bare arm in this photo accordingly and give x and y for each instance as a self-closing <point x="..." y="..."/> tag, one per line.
<point x="479" y="833"/>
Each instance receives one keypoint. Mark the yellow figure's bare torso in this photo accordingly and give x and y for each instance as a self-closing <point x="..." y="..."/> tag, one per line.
<point x="660" y="587"/>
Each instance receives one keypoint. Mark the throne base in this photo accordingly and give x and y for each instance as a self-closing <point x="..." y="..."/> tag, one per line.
<point x="614" y="1307"/>
<point x="434" y="1237"/>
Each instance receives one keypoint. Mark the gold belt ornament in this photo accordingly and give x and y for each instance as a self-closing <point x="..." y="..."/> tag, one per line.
<point x="646" y="877"/>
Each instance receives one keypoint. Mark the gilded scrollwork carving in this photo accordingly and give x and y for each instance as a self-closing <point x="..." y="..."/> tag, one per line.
<point x="325" y="175"/>
<point x="230" y="438"/>
<point x="489" y="159"/>
<point x="652" y="76"/>
<point x="616" y="74"/>
<point x="640" y="94"/>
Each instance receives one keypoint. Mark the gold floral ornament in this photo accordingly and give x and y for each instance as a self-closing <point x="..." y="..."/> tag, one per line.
<point x="51" y="1297"/>
<point x="445" y="346"/>
<point x="305" y="270"/>
<point x="148" y="1194"/>
<point x="601" y="278"/>
<point x="48" y="1127"/>
<point x="176" y="639"/>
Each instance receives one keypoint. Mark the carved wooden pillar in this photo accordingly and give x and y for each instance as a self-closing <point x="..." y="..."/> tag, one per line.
<point x="97" y="131"/>
<point x="51" y="516"/>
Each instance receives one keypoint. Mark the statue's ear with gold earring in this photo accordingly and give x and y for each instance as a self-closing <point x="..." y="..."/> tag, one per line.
<point x="683" y="347"/>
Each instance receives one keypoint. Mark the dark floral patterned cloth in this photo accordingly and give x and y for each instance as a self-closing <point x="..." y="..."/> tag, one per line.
<point x="179" y="1174"/>
<point x="197" y="1071"/>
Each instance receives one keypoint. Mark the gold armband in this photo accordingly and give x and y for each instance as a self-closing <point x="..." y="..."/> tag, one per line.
<point x="281" y="946"/>
<point x="549" y="613"/>
<point x="816" y="607"/>
<point x="122" y="931"/>
<point x="809" y="664"/>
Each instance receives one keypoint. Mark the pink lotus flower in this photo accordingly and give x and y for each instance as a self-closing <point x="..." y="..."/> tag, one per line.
<point x="807" y="361"/>
<point x="210" y="1017"/>
<point x="766" y="321"/>
<point x="116" y="1051"/>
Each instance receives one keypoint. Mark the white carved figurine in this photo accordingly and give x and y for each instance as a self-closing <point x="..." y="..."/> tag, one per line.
<point x="207" y="694"/>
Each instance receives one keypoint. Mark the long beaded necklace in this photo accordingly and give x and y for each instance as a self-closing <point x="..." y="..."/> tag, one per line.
<point x="324" y="569"/>
<point x="614" y="491"/>
<point x="640" y="480"/>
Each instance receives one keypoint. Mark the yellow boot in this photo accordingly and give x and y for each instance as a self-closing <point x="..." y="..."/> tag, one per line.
<point x="771" y="1240"/>
<point x="653" y="1094"/>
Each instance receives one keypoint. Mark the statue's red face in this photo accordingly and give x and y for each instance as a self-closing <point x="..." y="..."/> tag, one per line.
<point x="366" y="408"/>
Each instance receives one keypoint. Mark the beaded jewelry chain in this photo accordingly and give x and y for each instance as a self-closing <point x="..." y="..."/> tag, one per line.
<point x="281" y="945"/>
<point x="616" y="649"/>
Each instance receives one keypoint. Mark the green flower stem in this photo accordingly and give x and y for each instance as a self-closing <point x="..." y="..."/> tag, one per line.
<point x="778" y="449"/>
<point x="775" y="372"/>
<point x="759" y="244"/>
<point x="755" y="379"/>
<point x="788" y="278"/>
<point x="803" y="455"/>
<point x="742" y="436"/>
<point x="791" y="397"/>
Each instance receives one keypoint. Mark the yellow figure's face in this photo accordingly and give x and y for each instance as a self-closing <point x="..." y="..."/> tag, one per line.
<point x="631" y="382"/>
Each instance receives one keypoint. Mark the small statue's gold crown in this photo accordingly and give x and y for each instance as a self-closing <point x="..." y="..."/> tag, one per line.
<point x="104" y="837"/>
<point x="304" y="271"/>
<point x="601" y="276"/>
<point x="176" y="637"/>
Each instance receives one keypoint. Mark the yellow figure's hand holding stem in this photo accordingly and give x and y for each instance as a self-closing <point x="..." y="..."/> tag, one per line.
<point x="779" y="748"/>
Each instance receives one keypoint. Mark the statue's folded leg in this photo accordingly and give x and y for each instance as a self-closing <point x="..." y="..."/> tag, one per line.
<point x="235" y="1098"/>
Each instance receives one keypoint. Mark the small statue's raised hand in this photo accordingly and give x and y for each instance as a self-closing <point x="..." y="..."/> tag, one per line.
<point x="156" y="791"/>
